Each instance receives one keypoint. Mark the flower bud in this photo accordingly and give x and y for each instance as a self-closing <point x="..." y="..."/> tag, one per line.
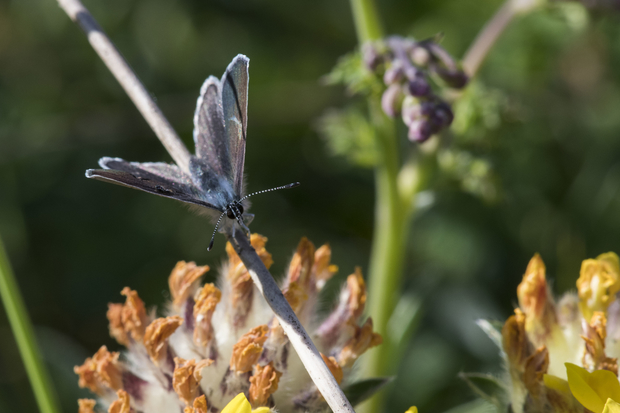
<point x="392" y="100"/>
<point x="419" y="86"/>
<point x="420" y="130"/>
<point x="413" y="109"/>
<point x="371" y="56"/>
<point x="442" y="115"/>
<point x="419" y="56"/>
<point x="394" y="73"/>
<point x="411" y="72"/>
<point x="454" y="78"/>
<point x="598" y="283"/>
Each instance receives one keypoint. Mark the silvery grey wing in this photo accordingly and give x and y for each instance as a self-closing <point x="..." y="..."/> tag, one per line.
<point x="209" y="132"/>
<point x="156" y="178"/>
<point x="234" y="86"/>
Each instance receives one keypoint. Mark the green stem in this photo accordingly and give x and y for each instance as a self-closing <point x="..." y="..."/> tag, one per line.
<point x="393" y="212"/>
<point x="367" y="24"/>
<point x="392" y="219"/>
<point x="24" y="336"/>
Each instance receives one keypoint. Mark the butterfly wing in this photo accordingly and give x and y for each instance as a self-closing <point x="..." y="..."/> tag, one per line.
<point x="156" y="178"/>
<point x="220" y="122"/>
<point x="209" y="132"/>
<point x="234" y="86"/>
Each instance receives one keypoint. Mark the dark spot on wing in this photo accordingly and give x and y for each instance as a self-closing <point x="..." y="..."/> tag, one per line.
<point x="163" y="190"/>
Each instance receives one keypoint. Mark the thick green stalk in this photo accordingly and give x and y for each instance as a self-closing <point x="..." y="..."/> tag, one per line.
<point x="392" y="219"/>
<point x="24" y="336"/>
<point x="393" y="213"/>
<point x="367" y="24"/>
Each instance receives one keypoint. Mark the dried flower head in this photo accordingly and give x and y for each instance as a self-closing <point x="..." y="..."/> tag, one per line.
<point x="216" y="344"/>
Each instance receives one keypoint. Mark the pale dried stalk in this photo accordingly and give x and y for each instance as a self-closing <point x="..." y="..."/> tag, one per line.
<point x="301" y="341"/>
<point x="129" y="81"/>
<point x="492" y="30"/>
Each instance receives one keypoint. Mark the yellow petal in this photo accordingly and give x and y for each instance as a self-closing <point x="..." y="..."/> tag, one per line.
<point x="267" y="410"/>
<point x="592" y="389"/>
<point x="414" y="409"/>
<point x="238" y="405"/>
<point x="556" y="383"/>
<point x="611" y="407"/>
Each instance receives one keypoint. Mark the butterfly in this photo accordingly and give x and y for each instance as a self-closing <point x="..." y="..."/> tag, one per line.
<point x="215" y="179"/>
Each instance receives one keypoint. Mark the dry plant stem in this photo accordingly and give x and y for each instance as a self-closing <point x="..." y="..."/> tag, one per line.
<point x="489" y="34"/>
<point x="129" y="81"/>
<point x="309" y="355"/>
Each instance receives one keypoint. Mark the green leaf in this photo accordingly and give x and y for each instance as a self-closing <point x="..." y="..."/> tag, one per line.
<point x="361" y="390"/>
<point x="351" y="72"/>
<point x="493" y="329"/>
<point x="403" y="323"/>
<point x="486" y="386"/>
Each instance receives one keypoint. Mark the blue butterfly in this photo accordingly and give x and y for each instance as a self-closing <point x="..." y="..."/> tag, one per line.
<point x="215" y="179"/>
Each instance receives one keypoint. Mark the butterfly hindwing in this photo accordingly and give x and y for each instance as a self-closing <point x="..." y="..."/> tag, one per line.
<point x="156" y="178"/>
<point x="161" y="169"/>
<point x="234" y="86"/>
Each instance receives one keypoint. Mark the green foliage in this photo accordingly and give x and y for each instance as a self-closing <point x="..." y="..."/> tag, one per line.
<point x="363" y="389"/>
<point x="351" y="72"/>
<point x="348" y="133"/>
<point x="486" y="386"/>
<point x="473" y="174"/>
<point x="477" y="111"/>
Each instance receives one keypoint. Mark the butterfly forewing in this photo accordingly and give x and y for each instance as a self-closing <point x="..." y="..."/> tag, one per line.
<point x="234" y="104"/>
<point x="209" y="131"/>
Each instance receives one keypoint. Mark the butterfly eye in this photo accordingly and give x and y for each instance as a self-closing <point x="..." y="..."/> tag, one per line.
<point x="230" y="214"/>
<point x="240" y="208"/>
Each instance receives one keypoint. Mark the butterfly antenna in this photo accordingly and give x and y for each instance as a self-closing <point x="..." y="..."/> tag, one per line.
<point x="289" y="186"/>
<point x="215" y="230"/>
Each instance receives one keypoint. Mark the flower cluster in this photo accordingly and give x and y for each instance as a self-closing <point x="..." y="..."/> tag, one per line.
<point x="563" y="356"/>
<point x="407" y="66"/>
<point x="218" y="341"/>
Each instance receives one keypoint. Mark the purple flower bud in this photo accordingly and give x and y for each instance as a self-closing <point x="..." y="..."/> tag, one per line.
<point x="392" y="100"/>
<point x="427" y="107"/>
<point x="441" y="54"/>
<point x="454" y="78"/>
<point x="419" y="56"/>
<point x="411" y="113"/>
<point x="419" y="86"/>
<point x="420" y="130"/>
<point x="371" y="56"/>
<point x="443" y="115"/>
<point x="394" y="74"/>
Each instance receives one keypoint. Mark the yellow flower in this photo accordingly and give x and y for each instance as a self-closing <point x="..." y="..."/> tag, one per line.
<point x="593" y="390"/>
<point x="414" y="409"/>
<point x="611" y="407"/>
<point x="240" y="404"/>
<point x="598" y="283"/>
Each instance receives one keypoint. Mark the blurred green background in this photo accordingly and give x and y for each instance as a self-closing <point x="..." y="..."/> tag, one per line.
<point x="545" y="114"/>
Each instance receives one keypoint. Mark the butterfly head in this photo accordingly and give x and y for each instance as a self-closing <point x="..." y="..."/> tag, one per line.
<point x="234" y="210"/>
